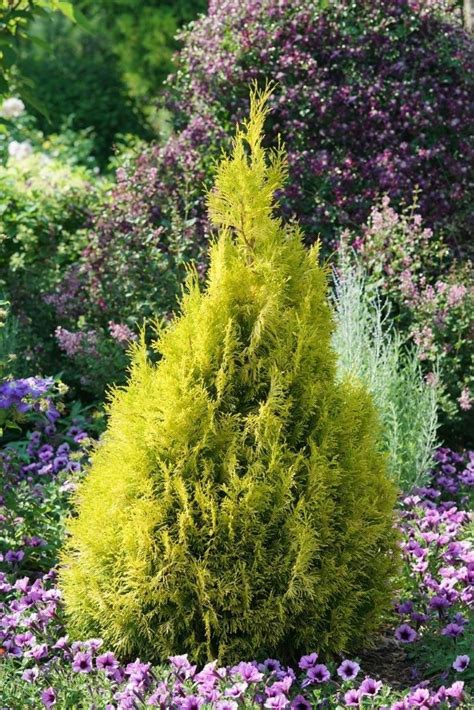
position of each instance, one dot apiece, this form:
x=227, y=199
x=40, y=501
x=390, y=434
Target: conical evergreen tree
x=237, y=506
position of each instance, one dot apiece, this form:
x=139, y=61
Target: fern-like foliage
x=238, y=506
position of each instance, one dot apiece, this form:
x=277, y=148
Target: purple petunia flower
x=38, y=652
x=106, y=662
x=352, y=698
x=308, y=661
x=369, y=686
x=271, y=665
x=236, y=690
x=30, y=675
x=14, y=556
x=348, y=670
x=300, y=703
x=48, y=697
x=82, y=662
x=419, y=697
x=317, y=674
x=439, y=603
x=405, y=634
x=405, y=607
x=461, y=663
x=192, y=702
x=277, y=702
x=456, y=691
x=452, y=630
x=248, y=672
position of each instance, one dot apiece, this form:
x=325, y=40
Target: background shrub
x=369, y=348
x=237, y=465
x=45, y=203
x=139, y=245
x=80, y=85
x=142, y=36
x=372, y=98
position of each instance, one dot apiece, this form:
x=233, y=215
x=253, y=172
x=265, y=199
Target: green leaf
x=31, y=99
x=39, y=42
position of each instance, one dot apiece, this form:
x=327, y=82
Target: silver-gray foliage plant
x=369, y=348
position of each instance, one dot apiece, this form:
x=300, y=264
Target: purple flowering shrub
x=371, y=98
x=433, y=299
x=39, y=465
x=42, y=667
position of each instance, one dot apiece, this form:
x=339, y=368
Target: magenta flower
x=405, y=634
x=348, y=670
x=461, y=663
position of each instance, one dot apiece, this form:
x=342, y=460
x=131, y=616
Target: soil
x=388, y=662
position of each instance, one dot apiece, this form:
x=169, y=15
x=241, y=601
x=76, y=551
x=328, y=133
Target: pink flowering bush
x=433, y=299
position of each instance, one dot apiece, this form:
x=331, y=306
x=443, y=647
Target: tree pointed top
x=243, y=196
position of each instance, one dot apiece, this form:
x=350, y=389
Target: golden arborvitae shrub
x=237, y=506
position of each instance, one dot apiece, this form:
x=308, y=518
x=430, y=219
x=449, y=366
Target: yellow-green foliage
x=237, y=506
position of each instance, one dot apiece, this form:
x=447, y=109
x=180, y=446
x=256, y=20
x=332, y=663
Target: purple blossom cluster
x=38, y=472
x=434, y=609
x=29, y=394
x=436, y=616
x=31, y=632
